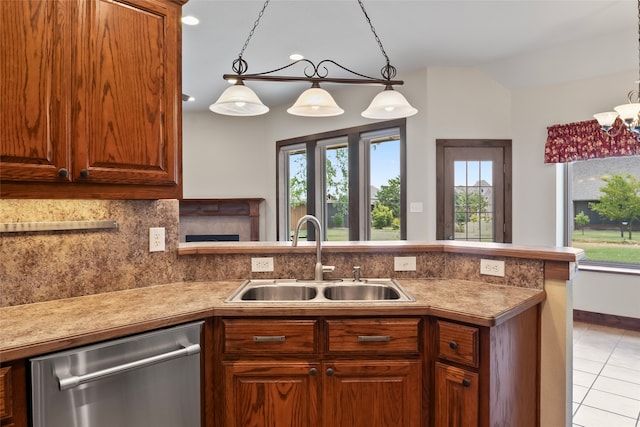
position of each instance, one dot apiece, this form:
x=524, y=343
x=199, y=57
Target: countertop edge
x=565, y=254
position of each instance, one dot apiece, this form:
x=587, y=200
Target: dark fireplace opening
x=213, y=237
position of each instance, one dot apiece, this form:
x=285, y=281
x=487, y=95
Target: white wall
x=236, y=157
x=607, y=293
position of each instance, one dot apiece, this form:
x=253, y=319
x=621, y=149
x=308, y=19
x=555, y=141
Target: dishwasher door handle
x=68, y=382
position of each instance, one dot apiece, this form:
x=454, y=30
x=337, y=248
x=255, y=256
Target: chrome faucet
x=319, y=268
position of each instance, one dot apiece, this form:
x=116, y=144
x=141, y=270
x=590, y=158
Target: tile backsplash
x=39, y=266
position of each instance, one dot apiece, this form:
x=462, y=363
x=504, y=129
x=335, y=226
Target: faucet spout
x=319, y=268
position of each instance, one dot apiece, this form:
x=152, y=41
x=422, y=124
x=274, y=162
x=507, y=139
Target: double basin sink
x=291, y=290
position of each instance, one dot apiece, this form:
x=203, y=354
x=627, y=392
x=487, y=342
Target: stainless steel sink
x=328, y=291
x=359, y=292
x=279, y=293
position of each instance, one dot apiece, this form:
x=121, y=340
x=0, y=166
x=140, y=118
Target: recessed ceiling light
x=190, y=20
x=296, y=57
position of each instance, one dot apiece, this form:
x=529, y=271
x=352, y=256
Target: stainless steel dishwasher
x=145, y=380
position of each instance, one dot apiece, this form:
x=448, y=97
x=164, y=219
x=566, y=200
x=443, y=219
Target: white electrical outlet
x=261, y=265
x=404, y=263
x=156, y=239
x=492, y=267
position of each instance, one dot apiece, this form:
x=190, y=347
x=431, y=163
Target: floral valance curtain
x=585, y=140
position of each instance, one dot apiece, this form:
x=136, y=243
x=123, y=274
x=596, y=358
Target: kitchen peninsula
x=523, y=313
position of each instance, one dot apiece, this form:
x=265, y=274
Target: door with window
x=474, y=190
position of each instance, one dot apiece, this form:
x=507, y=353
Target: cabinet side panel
x=514, y=371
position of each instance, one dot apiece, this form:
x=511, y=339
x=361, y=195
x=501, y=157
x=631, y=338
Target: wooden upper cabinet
x=96, y=99
x=35, y=70
x=127, y=100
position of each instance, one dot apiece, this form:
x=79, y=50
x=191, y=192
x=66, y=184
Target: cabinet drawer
x=374, y=335
x=6, y=393
x=269, y=336
x=458, y=343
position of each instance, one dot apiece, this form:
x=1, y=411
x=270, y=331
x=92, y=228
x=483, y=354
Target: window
x=474, y=190
x=604, y=211
x=351, y=179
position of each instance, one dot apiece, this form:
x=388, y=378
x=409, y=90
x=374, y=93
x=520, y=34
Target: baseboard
x=611, y=320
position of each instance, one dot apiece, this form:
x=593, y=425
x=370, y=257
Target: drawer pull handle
x=374, y=338
x=313, y=372
x=268, y=338
x=330, y=372
x=453, y=345
x=466, y=382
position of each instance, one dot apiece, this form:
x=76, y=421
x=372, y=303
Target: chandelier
x=629, y=113
x=240, y=100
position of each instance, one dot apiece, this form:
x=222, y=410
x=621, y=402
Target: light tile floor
x=606, y=376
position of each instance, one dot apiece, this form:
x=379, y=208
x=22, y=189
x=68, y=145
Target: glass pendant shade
x=239, y=100
x=606, y=119
x=628, y=112
x=389, y=104
x=315, y=102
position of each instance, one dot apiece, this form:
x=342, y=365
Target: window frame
x=586, y=264
x=355, y=164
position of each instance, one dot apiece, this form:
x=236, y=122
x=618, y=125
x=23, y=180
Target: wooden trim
x=557, y=270
x=610, y=320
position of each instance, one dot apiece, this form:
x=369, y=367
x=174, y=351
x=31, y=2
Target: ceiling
x=518, y=43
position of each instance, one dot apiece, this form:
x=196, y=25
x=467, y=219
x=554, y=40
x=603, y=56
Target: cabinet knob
x=313, y=372
x=330, y=372
x=453, y=345
x=84, y=173
x=63, y=173
x=466, y=382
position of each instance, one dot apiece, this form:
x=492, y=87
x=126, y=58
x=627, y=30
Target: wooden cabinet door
x=271, y=393
x=456, y=400
x=364, y=393
x=35, y=65
x=13, y=394
x=126, y=99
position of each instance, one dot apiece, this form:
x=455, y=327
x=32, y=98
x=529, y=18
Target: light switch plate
x=404, y=263
x=415, y=207
x=492, y=267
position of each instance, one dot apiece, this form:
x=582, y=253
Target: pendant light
x=629, y=113
x=389, y=104
x=239, y=100
x=314, y=102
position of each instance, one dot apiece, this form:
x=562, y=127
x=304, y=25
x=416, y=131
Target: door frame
x=441, y=145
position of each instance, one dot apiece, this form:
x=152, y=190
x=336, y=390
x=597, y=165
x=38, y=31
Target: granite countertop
x=33, y=329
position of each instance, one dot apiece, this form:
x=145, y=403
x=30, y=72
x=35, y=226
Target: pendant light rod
x=319, y=75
